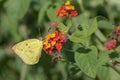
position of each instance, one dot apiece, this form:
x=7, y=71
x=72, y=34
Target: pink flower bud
x=110, y=44
x=54, y=25
x=64, y=37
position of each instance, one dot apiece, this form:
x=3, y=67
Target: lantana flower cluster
x=53, y=42
x=66, y=9
x=114, y=36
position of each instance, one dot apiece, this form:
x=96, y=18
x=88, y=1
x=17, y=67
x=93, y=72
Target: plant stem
x=109, y=11
x=23, y=72
x=99, y=44
x=100, y=35
x=81, y=5
x=68, y=50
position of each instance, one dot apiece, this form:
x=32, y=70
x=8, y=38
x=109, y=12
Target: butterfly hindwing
x=29, y=50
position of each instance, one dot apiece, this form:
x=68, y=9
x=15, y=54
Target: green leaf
x=78, y=37
x=117, y=49
x=93, y=3
x=85, y=77
x=2, y=55
x=16, y=9
x=103, y=58
x=9, y=26
x=103, y=73
x=92, y=26
x=79, y=19
x=42, y=12
x=86, y=59
x=61, y=67
x=88, y=27
x=51, y=13
x=107, y=73
x=63, y=28
x=103, y=24
x=115, y=3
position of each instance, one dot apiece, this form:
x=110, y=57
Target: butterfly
x=29, y=50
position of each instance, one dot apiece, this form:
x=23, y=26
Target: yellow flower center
x=53, y=43
x=67, y=3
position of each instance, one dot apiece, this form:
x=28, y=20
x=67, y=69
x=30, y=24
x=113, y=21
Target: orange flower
x=70, y=7
x=48, y=37
x=48, y=45
x=118, y=30
x=52, y=35
x=45, y=42
x=58, y=46
x=62, y=13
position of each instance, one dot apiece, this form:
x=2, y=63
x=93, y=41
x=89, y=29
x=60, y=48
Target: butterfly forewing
x=29, y=50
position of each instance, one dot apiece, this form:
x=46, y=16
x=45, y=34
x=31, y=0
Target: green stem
x=100, y=35
x=73, y=24
x=23, y=72
x=99, y=44
x=81, y=5
x=68, y=50
x=109, y=11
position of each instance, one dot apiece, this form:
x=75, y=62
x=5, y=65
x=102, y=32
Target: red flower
x=110, y=44
x=57, y=35
x=62, y=8
x=73, y=13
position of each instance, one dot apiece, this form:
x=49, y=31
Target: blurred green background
x=24, y=19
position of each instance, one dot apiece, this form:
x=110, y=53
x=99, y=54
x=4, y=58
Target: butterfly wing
x=29, y=50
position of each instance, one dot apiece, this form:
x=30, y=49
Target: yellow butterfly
x=29, y=50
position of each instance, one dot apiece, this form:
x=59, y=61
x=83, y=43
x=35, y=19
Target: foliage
x=84, y=56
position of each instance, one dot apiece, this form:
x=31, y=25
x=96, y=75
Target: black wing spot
x=32, y=57
x=26, y=44
x=21, y=49
x=30, y=51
